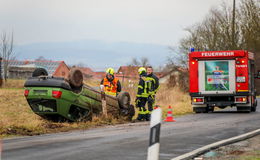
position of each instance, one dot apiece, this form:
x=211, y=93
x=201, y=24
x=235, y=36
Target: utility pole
x=233, y=24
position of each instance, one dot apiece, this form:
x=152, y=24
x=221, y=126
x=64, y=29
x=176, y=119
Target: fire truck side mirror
x=257, y=75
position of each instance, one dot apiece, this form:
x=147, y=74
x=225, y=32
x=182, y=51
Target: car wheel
x=128, y=113
x=253, y=108
x=75, y=78
x=124, y=100
x=211, y=109
x=244, y=109
x=39, y=72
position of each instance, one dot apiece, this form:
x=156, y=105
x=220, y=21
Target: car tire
x=211, y=109
x=196, y=110
x=128, y=113
x=131, y=113
x=254, y=105
x=124, y=100
x=244, y=109
x=75, y=78
x=253, y=108
x=39, y=72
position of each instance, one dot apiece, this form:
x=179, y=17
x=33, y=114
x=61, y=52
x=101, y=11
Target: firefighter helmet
x=141, y=70
x=110, y=71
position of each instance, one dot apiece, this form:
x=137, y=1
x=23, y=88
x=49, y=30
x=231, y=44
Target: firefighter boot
x=148, y=117
x=141, y=114
x=140, y=117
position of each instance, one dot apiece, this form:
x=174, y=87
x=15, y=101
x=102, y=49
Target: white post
x=104, y=103
x=155, y=125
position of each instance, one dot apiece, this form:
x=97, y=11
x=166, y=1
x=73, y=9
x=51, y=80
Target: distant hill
x=93, y=53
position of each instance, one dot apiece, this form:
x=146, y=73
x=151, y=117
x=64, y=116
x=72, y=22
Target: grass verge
x=17, y=119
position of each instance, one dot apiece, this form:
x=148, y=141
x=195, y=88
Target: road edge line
x=218, y=144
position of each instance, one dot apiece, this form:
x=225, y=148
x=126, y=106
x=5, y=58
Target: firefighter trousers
x=143, y=113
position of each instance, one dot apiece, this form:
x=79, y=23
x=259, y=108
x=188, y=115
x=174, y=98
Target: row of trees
x=216, y=31
x=224, y=28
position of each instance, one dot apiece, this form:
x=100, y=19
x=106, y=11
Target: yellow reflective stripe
x=110, y=93
x=145, y=87
x=139, y=86
x=142, y=95
x=147, y=112
x=157, y=88
x=141, y=111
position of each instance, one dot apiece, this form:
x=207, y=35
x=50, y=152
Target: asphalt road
x=130, y=141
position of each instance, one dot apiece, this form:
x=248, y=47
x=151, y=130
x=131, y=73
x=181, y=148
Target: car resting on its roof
x=69, y=99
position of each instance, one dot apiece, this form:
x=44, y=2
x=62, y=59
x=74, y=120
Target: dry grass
x=174, y=97
x=16, y=117
x=13, y=83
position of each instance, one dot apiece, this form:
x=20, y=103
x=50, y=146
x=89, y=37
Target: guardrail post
x=1, y=148
x=154, y=142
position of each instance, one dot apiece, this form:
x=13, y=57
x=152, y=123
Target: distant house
x=128, y=72
x=99, y=75
x=87, y=72
x=24, y=69
x=173, y=75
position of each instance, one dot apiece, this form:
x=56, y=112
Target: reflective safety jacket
x=155, y=83
x=144, y=87
x=111, y=87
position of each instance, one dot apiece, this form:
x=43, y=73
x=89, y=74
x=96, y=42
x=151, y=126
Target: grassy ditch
x=248, y=149
x=17, y=119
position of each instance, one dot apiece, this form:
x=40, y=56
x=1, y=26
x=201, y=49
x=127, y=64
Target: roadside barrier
x=204, y=149
x=169, y=117
x=154, y=140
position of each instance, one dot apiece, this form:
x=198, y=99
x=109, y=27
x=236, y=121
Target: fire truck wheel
x=253, y=108
x=211, y=109
x=206, y=110
x=39, y=72
x=200, y=109
x=244, y=109
x=75, y=78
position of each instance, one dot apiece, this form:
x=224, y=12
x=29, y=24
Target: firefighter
x=154, y=88
x=110, y=84
x=142, y=95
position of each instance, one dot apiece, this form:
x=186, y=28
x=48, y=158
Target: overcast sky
x=146, y=21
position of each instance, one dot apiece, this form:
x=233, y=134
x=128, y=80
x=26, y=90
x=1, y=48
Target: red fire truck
x=221, y=79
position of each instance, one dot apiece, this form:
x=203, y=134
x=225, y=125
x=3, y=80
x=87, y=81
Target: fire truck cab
x=221, y=79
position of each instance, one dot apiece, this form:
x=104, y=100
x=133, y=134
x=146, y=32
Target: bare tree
x=215, y=31
x=6, y=52
x=135, y=62
x=249, y=15
x=218, y=32
x=144, y=61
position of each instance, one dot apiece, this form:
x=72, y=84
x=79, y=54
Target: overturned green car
x=69, y=99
